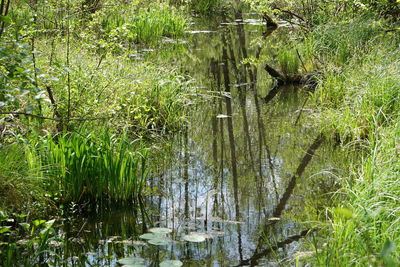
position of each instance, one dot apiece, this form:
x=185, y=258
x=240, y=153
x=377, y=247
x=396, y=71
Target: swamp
x=199, y=133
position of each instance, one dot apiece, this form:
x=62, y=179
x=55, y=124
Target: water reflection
x=235, y=168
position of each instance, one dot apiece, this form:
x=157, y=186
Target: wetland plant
x=93, y=168
x=289, y=62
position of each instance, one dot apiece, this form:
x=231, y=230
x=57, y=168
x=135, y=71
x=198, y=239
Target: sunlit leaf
x=25, y=225
x=344, y=212
x=4, y=229
x=49, y=223
x=222, y=116
x=38, y=222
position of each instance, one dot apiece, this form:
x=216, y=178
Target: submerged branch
x=269, y=21
x=275, y=74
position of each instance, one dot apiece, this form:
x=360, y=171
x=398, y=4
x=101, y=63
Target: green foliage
x=20, y=186
x=18, y=88
x=371, y=234
x=289, y=61
x=358, y=103
x=205, y=6
x=20, y=235
x=342, y=41
x=142, y=25
x=363, y=98
x=91, y=167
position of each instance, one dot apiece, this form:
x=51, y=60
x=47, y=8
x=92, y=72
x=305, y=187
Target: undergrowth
x=357, y=104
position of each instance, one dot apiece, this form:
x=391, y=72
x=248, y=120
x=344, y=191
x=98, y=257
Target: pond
x=243, y=174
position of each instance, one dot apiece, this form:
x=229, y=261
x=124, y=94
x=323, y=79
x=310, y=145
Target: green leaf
x=49, y=223
x=344, y=212
x=38, y=222
x=5, y=19
x=4, y=229
x=171, y=263
x=25, y=225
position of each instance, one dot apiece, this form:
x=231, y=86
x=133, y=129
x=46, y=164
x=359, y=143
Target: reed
x=19, y=185
x=95, y=168
x=143, y=25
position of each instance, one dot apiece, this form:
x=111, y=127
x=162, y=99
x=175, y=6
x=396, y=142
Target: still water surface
x=243, y=173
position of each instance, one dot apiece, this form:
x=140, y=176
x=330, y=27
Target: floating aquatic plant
x=194, y=237
x=160, y=230
x=171, y=263
x=132, y=261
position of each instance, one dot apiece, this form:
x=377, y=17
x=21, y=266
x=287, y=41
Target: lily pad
x=159, y=241
x=132, y=261
x=151, y=236
x=205, y=235
x=160, y=230
x=171, y=263
x=196, y=238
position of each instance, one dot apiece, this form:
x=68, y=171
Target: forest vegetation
x=88, y=106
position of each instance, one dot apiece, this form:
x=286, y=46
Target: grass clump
x=366, y=229
x=362, y=97
x=88, y=167
x=289, y=62
x=142, y=25
x=357, y=102
x=339, y=42
x=19, y=185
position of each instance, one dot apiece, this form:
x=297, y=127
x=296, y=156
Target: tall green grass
x=357, y=102
x=365, y=228
x=90, y=167
x=143, y=25
x=338, y=42
x=362, y=97
x=19, y=185
x=289, y=62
